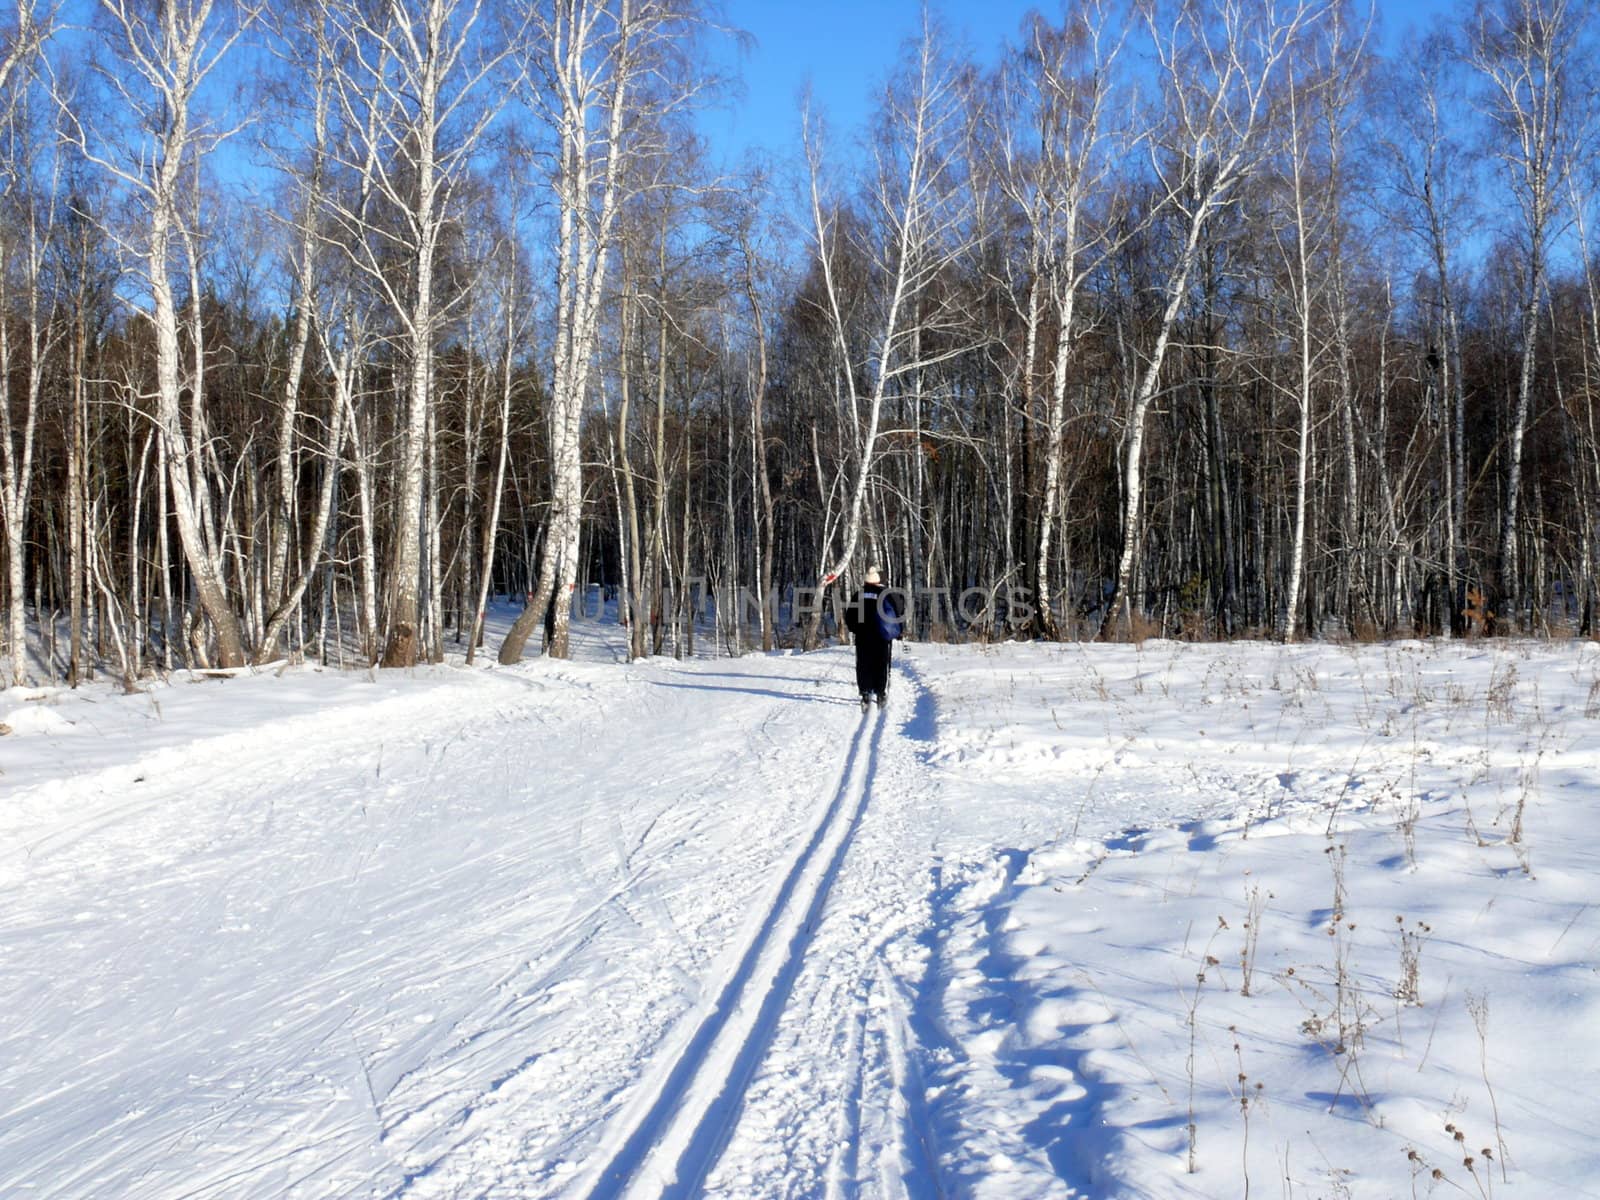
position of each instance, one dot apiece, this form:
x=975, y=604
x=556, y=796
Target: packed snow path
x=528, y=934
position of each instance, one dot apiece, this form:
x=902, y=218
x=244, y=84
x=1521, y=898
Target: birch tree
x=582, y=63
x=1431, y=184
x=1308, y=237
x=1063, y=88
x=412, y=97
x=27, y=219
x=589, y=70
x=1218, y=64
x=915, y=235
x=165, y=53
x=1298, y=246
x=309, y=63
x=512, y=326
x=1525, y=51
x=30, y=26
x=756, y=262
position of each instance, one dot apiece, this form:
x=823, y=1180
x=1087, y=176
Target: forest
x=326, y=325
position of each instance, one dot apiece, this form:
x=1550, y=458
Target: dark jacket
x=873, y=650
x=861, y=613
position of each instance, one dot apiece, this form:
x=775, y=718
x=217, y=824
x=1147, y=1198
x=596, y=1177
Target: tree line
x=323, y=324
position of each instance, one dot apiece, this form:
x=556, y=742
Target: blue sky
x=845, y=47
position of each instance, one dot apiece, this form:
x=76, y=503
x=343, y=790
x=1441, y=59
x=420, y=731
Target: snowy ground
x=1065, y=921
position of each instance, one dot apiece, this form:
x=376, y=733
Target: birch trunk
x=589, y=110
x=1217, y=82
x=1300, y=272
x=317, y=539
x=1523, y=53
x=766, y=538
x=16, y=459
x=491, y=528
x=918, y=240
x=305, y=304
x=183, y=73
x=403, y=635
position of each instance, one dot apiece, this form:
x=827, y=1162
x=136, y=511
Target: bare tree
x=21, y=38
x=308, y=59
x=1431, y=182
x=915, y=235
x=410, y=91
x=513, y=326
x=1315, y=96
x=1218, y=65
x=26, y=228
x=590, y=66
x=1061, y=89
x=165, y=54
x=1526, y=51
x=756, y=261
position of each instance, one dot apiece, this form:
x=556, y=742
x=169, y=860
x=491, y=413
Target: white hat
x=872, y=575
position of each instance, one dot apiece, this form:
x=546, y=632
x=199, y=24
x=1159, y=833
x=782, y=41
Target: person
x=874, y=622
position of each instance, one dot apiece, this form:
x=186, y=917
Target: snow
x=671, y=928
x=1117, y=957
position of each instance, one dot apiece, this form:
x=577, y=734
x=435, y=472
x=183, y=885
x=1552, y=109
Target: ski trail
x=909, y=1106
x=465, y=1131
x=837, y=1106
x=687, y=1116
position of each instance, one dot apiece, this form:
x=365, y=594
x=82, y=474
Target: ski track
x=686, y=1110
x=836, y=1105
x=833, y=963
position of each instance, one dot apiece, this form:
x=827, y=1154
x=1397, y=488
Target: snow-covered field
x=1064, y=921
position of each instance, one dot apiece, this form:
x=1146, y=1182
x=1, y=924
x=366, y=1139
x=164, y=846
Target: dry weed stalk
x=1478, y=1007
x=1255, y=906
x=1411, y=942
x=1500, y=705
x=1247, y=1097
x=1339, y=1023
x=1411, y=810
x=1528, y=779
x=1191, y=1019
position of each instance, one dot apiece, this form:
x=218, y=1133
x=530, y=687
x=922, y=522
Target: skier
x=873, y=619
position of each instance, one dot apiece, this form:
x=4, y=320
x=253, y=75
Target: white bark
x=1300, y=272
x=1523, y=52
x=166, y=57
x=1424, y=155
x=492, y=523
x=1217, y=65
x=305, y=260
x=16, y=457
x=918, y=237
x=1317, y=84
x=589, y=52
x=765, y=542
x=33, y=27
x=289, y=602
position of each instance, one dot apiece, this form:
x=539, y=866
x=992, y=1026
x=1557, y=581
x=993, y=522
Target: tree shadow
x=766, y=693
x=808, y=679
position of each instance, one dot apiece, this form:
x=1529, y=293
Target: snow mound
x=34, y=719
